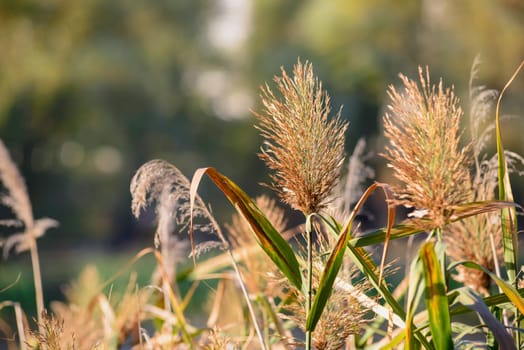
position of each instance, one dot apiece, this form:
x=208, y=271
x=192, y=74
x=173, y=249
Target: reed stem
x=37, y=278
x=309, y=281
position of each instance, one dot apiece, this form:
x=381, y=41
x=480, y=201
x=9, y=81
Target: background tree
x=91, y=89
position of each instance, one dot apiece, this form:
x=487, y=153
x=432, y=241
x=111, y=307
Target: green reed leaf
x=368, y=267
x=492, y=300
x=435, y=297
x=414, y=296
x=269, y=239
x=391, y=221
x=335, y=260
x=408, y=227
x=404, y=229
x=365, y=264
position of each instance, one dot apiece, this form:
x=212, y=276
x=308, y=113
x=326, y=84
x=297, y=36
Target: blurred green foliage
x=91, y=89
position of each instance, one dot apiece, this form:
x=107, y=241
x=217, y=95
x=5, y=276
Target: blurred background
x=92, y=89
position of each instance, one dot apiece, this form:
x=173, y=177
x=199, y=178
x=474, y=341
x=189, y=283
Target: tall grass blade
x=404, y=229
x=509, y=219
x=266, y=235
x=126, y=267
x=436, y=298
x=475, y=303
x=394, y=343
x=492, y=300
x=391, y=222
x=368, y=268
x=19, y=316
x=414, y=297
x=408, y=228
x=335, y=261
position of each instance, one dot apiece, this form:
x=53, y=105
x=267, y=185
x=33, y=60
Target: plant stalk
x=309, y=282
x=37, y=278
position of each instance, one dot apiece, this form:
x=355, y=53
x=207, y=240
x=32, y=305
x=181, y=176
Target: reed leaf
x=435, y=297
x=364, y=263
x=408, y=227
x=266, y=235
x=492, y=300
x=414, y=296
x=334, y=262
x=404, y=229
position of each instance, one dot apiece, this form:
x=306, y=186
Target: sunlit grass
x=256, y=283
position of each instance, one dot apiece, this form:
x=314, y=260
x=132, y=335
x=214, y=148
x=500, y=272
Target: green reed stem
x=309, y=281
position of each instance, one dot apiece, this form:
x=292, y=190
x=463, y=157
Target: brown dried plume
x=303, y=147
x=422, y=126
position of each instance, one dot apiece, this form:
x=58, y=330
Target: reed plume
x=161, y=182
x=422, y=126
x=303, y=147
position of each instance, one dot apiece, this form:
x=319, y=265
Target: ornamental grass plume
x=162, y=183
x=302, y=146
x=422, y=126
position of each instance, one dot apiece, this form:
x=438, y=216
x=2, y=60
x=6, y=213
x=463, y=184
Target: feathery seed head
x=16, y=197
x=302, y=146
x=161, y=183
x=422, y=126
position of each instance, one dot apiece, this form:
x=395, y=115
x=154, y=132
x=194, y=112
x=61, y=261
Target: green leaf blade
x=269, y=239
x=334, y=262
x=408, y=227
x=328, y=279
x=436, y=298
